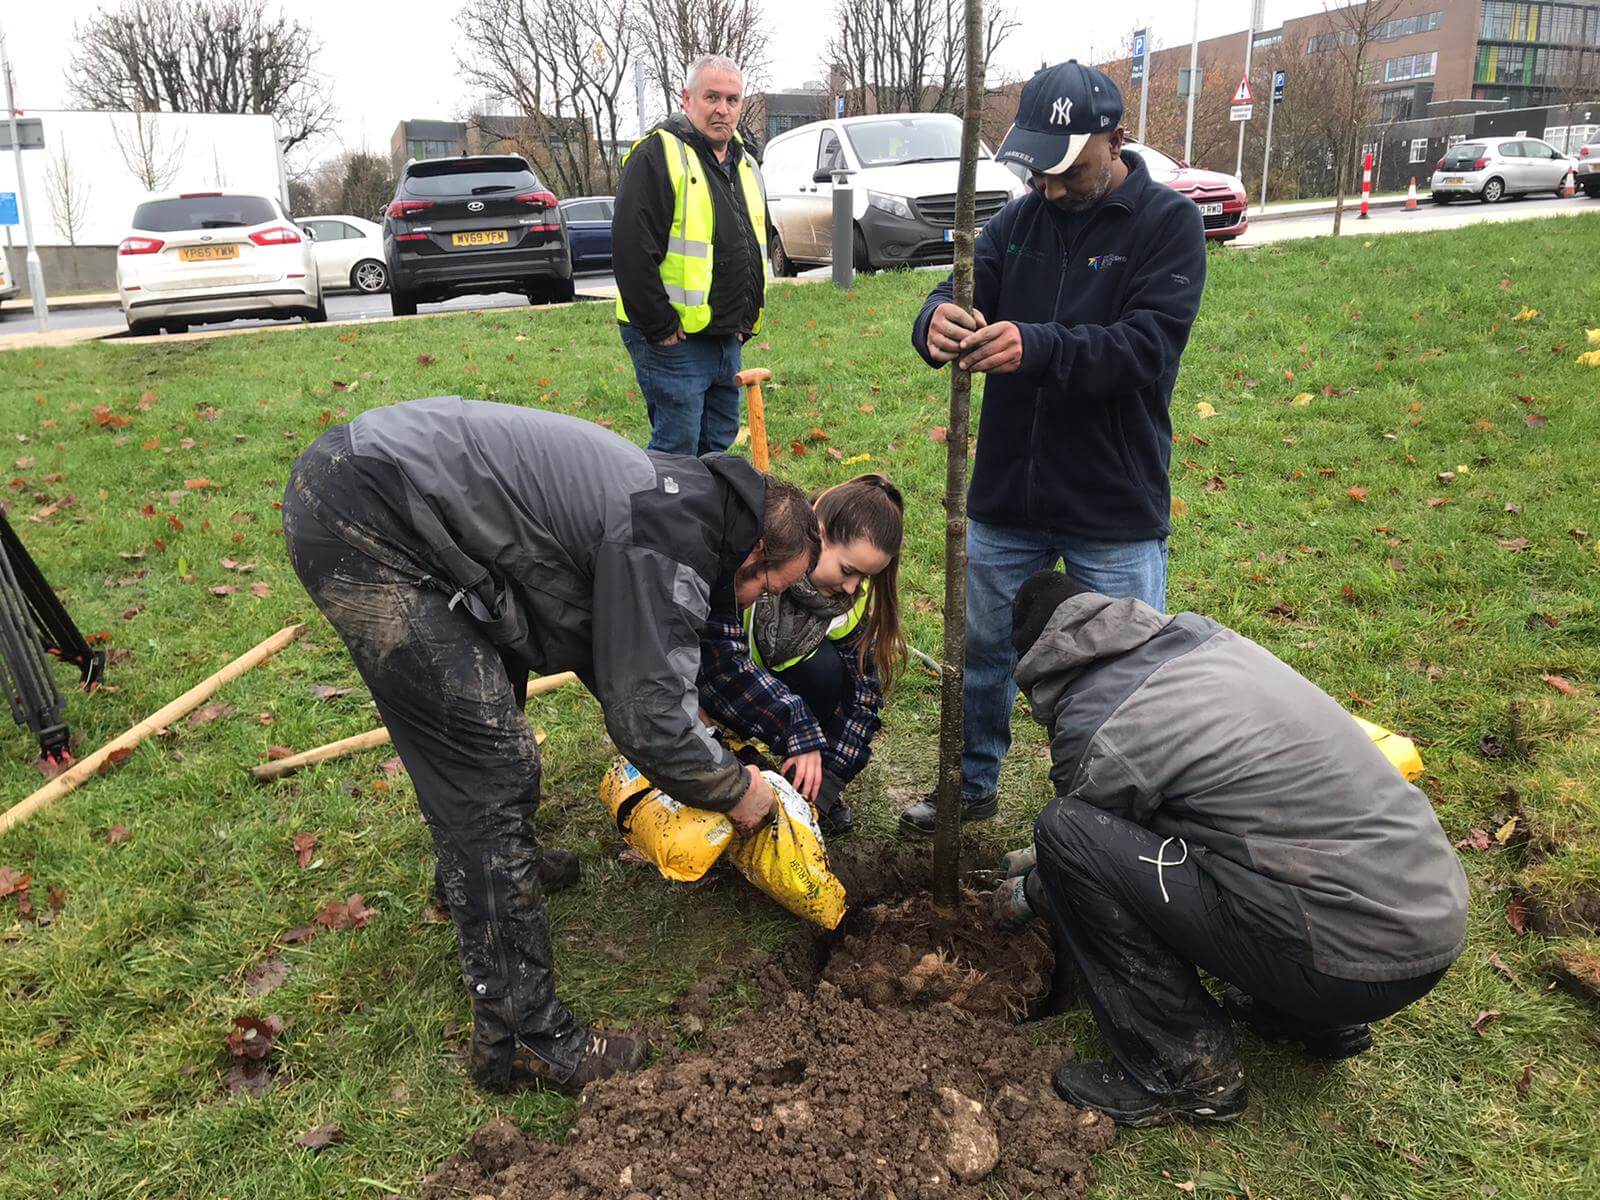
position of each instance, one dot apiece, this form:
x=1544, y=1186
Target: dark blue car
x=589, y=230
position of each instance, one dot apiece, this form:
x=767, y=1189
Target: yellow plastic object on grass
x=1398, y=750
x=683, y=842
x=786, y=859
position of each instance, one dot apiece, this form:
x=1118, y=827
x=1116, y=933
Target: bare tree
x=68, y=194
x=673, y=33
x=152, y=155
x=909, y=55
x=561, y=66
x=1354, y=32
x=352, y=181
x=203, y=56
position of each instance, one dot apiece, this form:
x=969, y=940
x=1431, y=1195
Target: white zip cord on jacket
x=1161, y=863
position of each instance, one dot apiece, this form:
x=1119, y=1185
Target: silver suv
x=1490, y=169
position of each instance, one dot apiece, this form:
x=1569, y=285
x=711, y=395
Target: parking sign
x=1278, y=78
x=1140, y=39
x=8, y=208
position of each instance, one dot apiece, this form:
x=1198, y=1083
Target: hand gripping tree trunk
x=947, y=829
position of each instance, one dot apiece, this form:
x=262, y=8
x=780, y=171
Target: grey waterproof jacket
x=1196, y=732
x=574, y=549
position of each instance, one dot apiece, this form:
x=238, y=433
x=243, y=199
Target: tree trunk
x=947, y=830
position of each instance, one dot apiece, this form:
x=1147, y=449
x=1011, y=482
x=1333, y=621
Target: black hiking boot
x=1102, y=1086
x=564, y=1063
x=1332, y=1043
x=836, y=822
x=920, y=818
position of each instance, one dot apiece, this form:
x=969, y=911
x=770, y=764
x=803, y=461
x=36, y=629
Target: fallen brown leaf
x=196, y=485
x=1517, y=916
x=1525, y=1082
x=1476, y=839
x=345, y=914
x=391, y=766
x=1515, y=545
x=1358, y=494
x=1499, y=964
x=298, y=937
x=253, y=1037
x=1215, y=484
x=323, y=691
x=1561, y=684
x=305, y=846
x=266, y=975
x=224, y=589
x=260, y=590
x=1484, y=1019
x=938, y=434
x=1536, y=420
x=117, y=835
x=320, y=1137
x=209, y=713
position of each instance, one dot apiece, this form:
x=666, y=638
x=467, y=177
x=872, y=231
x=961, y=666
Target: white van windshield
x=912, y=139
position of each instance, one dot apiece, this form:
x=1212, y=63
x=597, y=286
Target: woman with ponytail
x=806, y=671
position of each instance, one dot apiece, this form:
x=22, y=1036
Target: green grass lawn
x=1305, y=523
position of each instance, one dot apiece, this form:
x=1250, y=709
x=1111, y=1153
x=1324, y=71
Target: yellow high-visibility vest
x=686, y=269
x=842, y=627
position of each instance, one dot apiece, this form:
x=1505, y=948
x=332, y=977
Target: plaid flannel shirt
x=755, y=704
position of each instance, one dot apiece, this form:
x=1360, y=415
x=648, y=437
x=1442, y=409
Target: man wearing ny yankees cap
x=1085, y=291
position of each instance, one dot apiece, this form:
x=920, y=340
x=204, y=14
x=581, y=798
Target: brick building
x=1526, y=54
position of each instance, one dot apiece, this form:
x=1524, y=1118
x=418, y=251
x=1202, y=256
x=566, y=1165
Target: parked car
x=1223, y=204
x=1587, y=168
x=1491, y=169
x=903, y=171
x=589, y=231
x=214, y=256
x=473, y=225
x=9, y=287
x=349, y=252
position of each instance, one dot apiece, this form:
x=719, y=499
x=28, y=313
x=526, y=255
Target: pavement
x=94, y=317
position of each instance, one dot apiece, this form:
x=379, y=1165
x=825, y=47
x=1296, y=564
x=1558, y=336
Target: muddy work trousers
x=1137, y=931
x=454, y=711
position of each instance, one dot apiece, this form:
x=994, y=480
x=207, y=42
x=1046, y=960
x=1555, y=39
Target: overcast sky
x=386, y=62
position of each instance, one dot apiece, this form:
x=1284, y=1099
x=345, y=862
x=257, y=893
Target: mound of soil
x=896, y=1075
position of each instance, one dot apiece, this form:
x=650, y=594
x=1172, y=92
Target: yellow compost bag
x=1401, y=751
x=683, y=842
x=786, y=859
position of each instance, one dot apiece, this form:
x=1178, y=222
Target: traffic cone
x=1568, y=186
x=1411, y=195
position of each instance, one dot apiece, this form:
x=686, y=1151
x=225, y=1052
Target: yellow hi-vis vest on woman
x=686, y=270
x=842, y=627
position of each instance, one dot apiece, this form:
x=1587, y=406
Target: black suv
x=474, y=225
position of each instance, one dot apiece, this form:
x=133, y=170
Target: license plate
x=481, y=237
x=207, y=253
x=1454, y=179
x=949, y=235
x=1211, y=210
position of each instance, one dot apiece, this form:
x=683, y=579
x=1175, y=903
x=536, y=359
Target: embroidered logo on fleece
x=1101, y=262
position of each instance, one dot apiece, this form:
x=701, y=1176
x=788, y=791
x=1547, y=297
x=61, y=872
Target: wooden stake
x=84, y=769
x=751, y=380
x=267, y=772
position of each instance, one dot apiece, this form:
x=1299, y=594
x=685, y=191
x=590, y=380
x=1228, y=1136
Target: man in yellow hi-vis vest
x=689, y=251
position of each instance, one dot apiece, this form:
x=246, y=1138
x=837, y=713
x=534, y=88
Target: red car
x=1221, y=197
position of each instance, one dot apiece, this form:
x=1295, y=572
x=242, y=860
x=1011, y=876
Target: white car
x=903, y=169
x=349, y=253
x=214, y=256
x=1490, y=169
x=8, y=286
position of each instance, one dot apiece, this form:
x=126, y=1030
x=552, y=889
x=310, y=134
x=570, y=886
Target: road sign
x=838, y=107
x=8, y=208
x=30, y=132
x=1278, y=79
x=1241, y=112
x=1242, y=94
x=1141, y=58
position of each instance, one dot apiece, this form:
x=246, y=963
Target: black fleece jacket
x=1079, y=439
x=642, y=220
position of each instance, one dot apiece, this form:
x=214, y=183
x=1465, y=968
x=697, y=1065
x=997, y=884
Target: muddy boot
x=1019, y=862
x=1008, y=906
x=834, y=817
x=1103, y=1086
x=564, y=1062
x=1331, y=1043
x=920, y=818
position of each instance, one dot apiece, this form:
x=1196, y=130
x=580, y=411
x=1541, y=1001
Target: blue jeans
x=999, y=560
x=689, y=390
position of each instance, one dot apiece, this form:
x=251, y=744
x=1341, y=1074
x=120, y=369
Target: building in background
x=426, y=139
x=767, y=114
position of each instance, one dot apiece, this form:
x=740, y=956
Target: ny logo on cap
x=1061, y=111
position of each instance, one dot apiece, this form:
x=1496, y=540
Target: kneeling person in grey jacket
x=1216, y=810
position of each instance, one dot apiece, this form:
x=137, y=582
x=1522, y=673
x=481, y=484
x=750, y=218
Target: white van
x=904, y=168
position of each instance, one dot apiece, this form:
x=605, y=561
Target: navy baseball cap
x=1061, y=108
